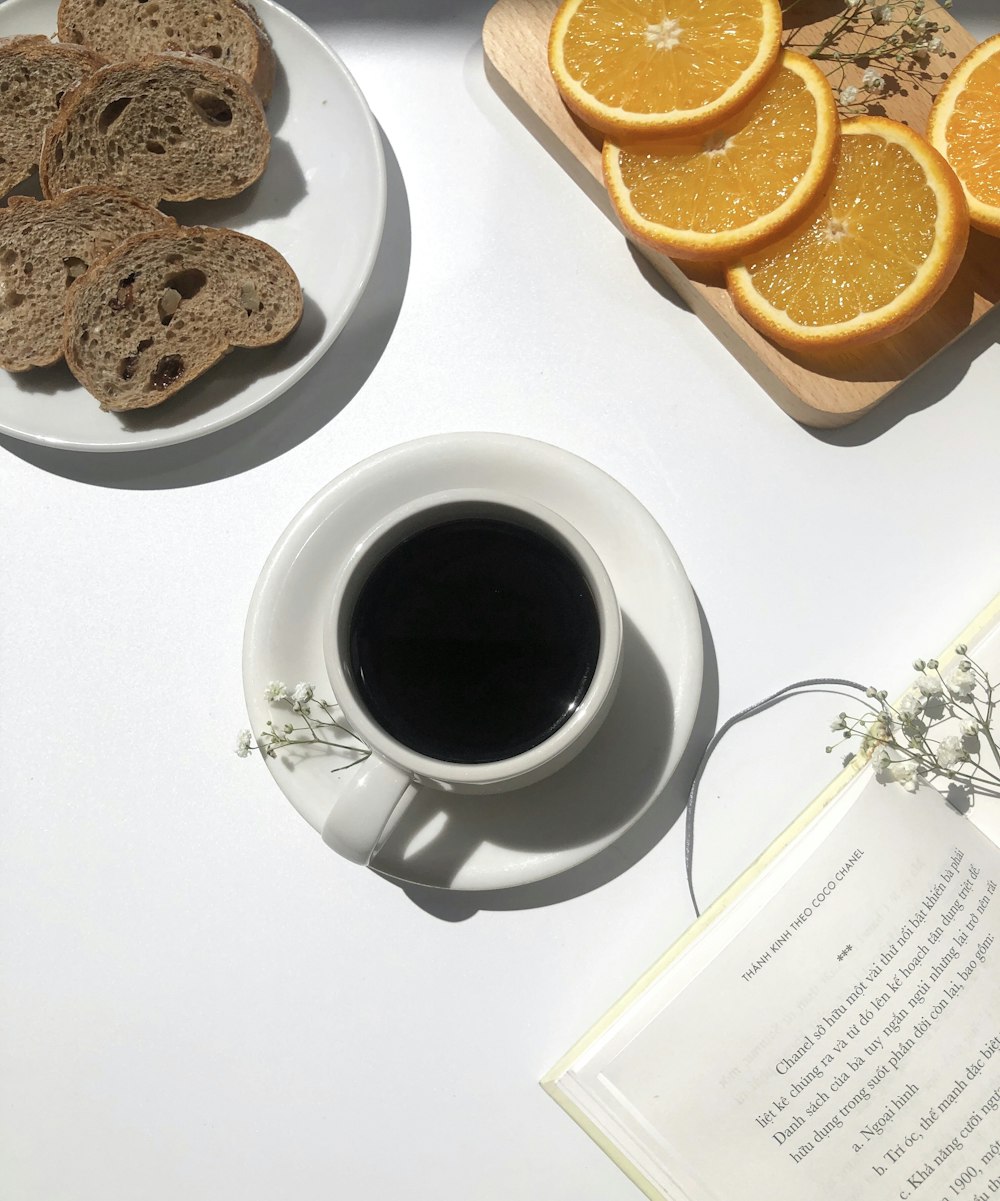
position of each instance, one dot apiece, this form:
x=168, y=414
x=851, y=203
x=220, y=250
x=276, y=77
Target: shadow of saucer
x=276, y=428
x=615, y=781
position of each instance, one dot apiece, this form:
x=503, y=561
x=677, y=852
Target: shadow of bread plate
x=325, y=233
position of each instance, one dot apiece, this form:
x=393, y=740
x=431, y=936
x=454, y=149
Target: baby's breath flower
x=961, y=681
x=930, y=685
x=941, y=727
x=848, y=95
x=872, y=80
x=936, y=46
x=882, y=14
x=326, y=730
x=906, y=773
x=950, y=752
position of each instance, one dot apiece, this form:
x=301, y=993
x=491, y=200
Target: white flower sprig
x=941, y=727
x=888, y=41
x=316, y=717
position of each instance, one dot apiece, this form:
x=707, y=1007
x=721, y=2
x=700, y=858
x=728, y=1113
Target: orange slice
x=965, y=126
x=634, y=67
x=874, y=254
x=718, y=194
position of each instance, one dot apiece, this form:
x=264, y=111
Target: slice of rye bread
x=45, y=246
x=227, y=31
x=164, y=127
x=35, y=74
x=164, y=307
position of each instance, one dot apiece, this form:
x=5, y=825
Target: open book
x=831, y=1027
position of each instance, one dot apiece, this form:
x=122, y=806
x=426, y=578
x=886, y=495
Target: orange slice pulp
x=875, y=253
x=742, y=184
x=652, y=67
x=965, y=126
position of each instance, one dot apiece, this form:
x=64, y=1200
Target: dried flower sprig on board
x=942, y=728
x=318, y=719
x=891, y=43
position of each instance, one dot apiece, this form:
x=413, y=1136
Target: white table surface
x=197, y=998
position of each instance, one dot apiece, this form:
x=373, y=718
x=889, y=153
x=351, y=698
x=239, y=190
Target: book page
x=845, y=1044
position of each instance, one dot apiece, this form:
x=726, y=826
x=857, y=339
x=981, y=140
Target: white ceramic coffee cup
x=373, y=793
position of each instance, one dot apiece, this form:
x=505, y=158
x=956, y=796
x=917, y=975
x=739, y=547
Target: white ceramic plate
x=321, y=202
x=488, y=842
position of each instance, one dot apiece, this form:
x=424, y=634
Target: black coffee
x=474, y=640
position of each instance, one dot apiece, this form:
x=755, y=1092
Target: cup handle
x=360, y=816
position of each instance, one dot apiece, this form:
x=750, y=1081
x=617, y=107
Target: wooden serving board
x=828, y=389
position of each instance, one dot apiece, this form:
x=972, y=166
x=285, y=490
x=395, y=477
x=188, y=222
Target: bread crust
x=76, y=22
x=146, y=264
x=140, y=76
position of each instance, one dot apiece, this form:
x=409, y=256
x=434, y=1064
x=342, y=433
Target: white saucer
x=488, y=842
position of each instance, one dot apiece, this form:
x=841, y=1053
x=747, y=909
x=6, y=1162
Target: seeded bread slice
x=164, y=307
x=45, y=245
x=34, y=76
x=164, y=127
x=227, y=31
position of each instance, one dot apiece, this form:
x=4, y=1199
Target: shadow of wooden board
x=822, y=390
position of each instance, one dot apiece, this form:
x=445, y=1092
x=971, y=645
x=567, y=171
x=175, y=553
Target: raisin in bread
x=166, y=306
x=44, y=247
x=165, y=127
x=227, y=31
x=35, y=74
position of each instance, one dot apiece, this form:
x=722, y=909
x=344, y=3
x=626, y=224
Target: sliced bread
x=34, y=76
x=165, y=127
x=45, y=245
x=227, y=31
x=164, y=307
